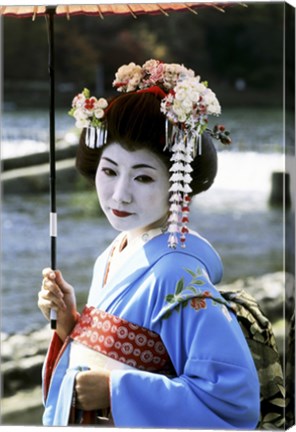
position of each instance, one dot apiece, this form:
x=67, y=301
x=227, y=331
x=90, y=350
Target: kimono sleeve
x=216, y=383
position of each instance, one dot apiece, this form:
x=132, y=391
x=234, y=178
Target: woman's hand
x=57, y=294
x=92, y=389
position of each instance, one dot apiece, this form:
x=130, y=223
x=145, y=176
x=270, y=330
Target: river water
x=233, y=215
x=252, y=129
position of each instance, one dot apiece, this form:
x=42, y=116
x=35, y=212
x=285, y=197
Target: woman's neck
x=136, y=233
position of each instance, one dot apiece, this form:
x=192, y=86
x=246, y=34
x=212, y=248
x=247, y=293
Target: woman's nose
x=122, y=192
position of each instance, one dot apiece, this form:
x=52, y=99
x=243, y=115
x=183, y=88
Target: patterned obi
x=123, y=345
x=122, y=341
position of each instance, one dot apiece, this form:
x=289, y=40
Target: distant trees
x=243, y=44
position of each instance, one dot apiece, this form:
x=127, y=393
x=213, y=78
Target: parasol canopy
x=109, y=9
x=100, y=10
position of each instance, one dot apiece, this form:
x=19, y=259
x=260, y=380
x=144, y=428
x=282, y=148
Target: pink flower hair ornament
x=186, y=103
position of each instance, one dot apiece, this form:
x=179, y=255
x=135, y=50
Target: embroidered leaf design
x=170, y=298
x=192, y=289
x=196, y=277
x=198, y=282
x=167, y=314
x=191, y=272
x=179, y=286
x=181, y=298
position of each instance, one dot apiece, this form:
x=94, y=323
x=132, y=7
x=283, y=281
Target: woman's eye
x=109, y=172
x=144, y=179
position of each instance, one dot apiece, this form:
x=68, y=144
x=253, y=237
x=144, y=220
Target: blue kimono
x=171, y=292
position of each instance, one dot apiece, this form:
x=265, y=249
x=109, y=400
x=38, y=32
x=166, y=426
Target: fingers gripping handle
x=53, y=237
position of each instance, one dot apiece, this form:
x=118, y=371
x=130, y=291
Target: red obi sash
x=116, y=338
x=122, y=340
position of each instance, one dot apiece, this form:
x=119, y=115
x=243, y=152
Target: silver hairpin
x=96, y=137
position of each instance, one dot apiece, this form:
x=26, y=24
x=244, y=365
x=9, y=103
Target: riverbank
x=23, y=354
x=30, y=173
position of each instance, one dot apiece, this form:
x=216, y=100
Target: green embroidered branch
x=180, y=297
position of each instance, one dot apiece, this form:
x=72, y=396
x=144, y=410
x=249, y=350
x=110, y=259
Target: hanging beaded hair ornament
x=186, y=103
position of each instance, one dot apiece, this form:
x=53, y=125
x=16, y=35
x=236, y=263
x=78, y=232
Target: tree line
x=240, y=52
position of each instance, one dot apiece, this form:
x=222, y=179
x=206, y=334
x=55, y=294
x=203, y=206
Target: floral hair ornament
x=186, y=103
x=89, y=113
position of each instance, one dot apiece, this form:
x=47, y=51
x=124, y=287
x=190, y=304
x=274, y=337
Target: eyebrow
x=137, y=166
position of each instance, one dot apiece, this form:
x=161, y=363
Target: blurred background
x=246, y=216
x=240, y=52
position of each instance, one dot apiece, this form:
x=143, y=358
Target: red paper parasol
x=99, y=10
x=102, y=10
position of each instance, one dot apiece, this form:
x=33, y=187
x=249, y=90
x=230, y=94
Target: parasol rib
x=100, y=12
x=162, y=10
x=190, y=9
x=68, y=13
x=131, y=11
x=34, y=13
x=216, y=7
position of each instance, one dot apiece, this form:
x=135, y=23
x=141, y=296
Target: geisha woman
x=156, y=345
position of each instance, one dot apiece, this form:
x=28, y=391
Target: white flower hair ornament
x=186, y=103
x=89, y=113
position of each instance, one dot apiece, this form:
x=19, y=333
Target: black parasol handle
x=50, y=11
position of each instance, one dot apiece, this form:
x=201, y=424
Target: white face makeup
x=132, y=188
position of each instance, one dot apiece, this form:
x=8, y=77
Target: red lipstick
x=121, y=214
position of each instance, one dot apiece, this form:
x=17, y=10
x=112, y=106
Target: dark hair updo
x=134, y=121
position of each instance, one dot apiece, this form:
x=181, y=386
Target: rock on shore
x=23, y=354
x=22, y=357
